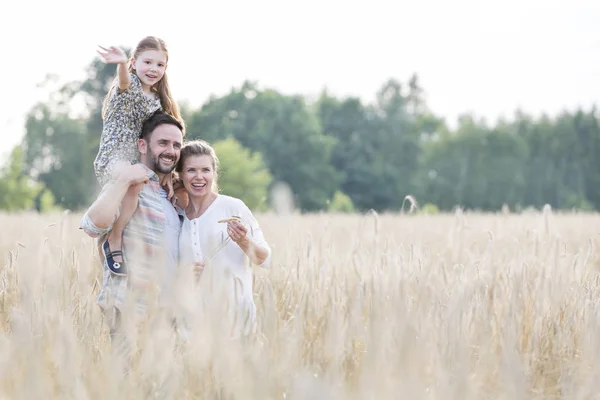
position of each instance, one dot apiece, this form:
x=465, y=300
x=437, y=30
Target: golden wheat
x=454, y=306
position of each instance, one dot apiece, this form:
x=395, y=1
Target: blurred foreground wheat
x=461, y=306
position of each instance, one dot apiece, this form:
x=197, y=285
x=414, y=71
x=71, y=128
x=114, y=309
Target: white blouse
x=205, y=240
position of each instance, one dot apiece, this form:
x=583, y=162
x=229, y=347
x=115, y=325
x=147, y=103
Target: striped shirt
x=144, y=251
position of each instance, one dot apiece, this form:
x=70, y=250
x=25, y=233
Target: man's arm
x=102, y=213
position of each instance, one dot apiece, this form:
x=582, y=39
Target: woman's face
x=197, y=175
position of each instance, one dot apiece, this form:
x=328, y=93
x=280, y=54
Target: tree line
x=339, y=154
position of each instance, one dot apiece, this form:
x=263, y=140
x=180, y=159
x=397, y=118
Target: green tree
x=283, y=130
x=562, y=165
x=18, y=191
x=475, y=167
x=377, y=147
x=355, y=152
x=341, y=203
x=398, y=140
x=243, y=174
x=57, y=154
x=587, y=126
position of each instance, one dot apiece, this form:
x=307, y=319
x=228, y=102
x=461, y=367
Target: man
x=150, y=239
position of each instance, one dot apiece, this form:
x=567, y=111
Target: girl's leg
x=128, y=207
x=113, y=252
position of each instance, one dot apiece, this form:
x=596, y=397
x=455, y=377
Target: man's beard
x=158, y=167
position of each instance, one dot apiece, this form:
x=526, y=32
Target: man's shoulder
x=153, y=196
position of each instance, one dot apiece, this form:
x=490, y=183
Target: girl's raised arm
x=114, y=55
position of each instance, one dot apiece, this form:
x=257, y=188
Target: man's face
x=162, y=153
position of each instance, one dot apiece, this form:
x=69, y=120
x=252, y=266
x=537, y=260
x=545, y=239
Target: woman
x=219, y=240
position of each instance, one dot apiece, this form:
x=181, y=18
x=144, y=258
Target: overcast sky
x=487, y=57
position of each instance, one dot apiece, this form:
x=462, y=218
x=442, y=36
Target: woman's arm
x=257, y=253
x=250, y=238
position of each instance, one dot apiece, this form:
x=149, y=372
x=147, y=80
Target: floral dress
x=125, y=114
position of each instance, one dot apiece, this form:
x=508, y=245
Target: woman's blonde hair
x=169, y=105
x=199, y=148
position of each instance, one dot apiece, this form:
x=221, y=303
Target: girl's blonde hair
x=169, y=105
x=199, y=148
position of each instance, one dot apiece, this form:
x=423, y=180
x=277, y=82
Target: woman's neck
x=198, y=205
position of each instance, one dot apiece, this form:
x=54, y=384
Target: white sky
x=486, y=56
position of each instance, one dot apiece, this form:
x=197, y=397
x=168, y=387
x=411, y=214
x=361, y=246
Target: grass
x=451, y=306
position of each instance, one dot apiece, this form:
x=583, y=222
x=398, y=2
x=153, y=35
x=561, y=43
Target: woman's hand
x=198, y=267
x=113, y=55
x=237, y=232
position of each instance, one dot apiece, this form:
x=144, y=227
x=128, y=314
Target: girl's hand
x=180, y=198
x=113, y=55
x=177, y=193
x=170, y=189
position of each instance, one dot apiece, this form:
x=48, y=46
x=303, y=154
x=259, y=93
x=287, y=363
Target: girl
x=139, y=89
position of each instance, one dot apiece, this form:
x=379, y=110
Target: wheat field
x=390, y=306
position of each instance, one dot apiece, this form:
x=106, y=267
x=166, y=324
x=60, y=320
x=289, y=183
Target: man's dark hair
x=155, y=120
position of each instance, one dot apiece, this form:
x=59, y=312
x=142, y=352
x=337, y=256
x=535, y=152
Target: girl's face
x=197, y=175
x=150, y=67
